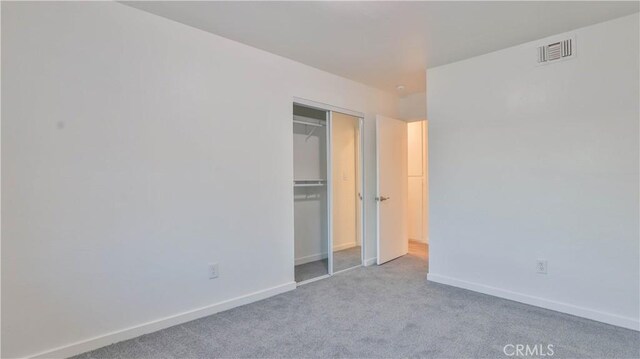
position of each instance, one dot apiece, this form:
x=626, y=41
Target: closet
x=327, y=187
x=310, y=189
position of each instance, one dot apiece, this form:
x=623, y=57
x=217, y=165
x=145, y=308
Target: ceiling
x=385, y=43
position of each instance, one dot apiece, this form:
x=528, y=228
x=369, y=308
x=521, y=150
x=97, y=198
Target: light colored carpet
x=347, y=258
x=388, y=311
x=311, y=270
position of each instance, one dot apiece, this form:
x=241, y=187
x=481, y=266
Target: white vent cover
x=558, y=50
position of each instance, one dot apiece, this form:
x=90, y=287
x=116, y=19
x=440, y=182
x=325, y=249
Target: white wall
x=343, y=145
x=535, y=162
x=413, y=107
x=135, y=150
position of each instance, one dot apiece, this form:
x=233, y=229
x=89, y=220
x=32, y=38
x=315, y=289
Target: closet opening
x=327, y=187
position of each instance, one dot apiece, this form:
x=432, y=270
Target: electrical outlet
x=213, y=270
x=541, y=266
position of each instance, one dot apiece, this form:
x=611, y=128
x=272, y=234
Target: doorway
x=418, y=189
x=402, y=193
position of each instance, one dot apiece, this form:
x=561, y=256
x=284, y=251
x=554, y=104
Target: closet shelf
x=308, y=121
x=309, y=183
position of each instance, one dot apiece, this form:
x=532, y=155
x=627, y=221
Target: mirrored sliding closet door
x=327, y=187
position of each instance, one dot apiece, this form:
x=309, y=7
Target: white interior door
x=392, y=195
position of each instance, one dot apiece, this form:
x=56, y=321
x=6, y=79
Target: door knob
x=382, y=198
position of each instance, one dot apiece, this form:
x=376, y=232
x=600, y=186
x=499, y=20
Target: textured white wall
x=135, y=150
x=535, y=162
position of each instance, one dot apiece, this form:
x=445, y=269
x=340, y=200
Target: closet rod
x=308, y=123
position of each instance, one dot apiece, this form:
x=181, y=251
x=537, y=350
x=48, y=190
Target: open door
x=392, y=193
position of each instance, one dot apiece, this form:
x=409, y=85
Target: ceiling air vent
x=558, y=50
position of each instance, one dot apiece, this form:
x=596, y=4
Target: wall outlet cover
x=213, y=270
x=541, y=266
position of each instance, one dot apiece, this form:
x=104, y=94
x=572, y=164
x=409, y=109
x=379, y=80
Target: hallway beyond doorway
x=419, y=249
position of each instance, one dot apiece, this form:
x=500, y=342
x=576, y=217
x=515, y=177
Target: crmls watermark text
x=526, y=350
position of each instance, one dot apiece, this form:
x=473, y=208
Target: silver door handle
x=382, y=198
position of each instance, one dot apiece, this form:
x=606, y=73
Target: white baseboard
x=310, y=258
x=609, y=318
x=162, y=323
x=342, y=246
x=424, y=241
x=319, y=256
